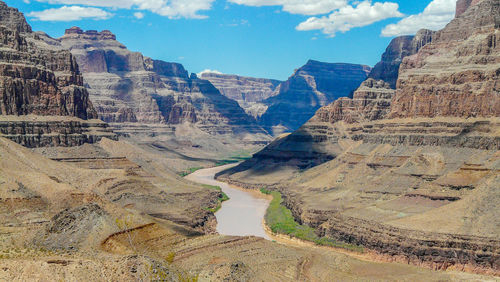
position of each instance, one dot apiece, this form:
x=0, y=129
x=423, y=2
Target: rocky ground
x=116, y=213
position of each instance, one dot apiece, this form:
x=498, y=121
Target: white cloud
x=301, y=7
x=70, y=13
x=350, y=17
x=138, y=15
x=200, y=74
x=167, y=8
x=435, y=16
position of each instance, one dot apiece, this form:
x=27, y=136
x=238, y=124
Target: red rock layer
x=458, y=73
x=371, y=101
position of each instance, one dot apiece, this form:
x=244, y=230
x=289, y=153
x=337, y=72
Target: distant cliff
x=312, y=86
x=129, y=87
x=247, y=91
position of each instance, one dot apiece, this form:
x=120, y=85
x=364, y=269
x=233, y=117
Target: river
x=243, y=214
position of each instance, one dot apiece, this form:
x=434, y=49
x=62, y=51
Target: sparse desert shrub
x=280, y=220
x=169, y=258
x=189, y=171
x=222, y=197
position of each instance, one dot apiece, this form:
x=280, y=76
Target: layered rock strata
x=457, y=74
x=371, y=101
x=415, y=180
x=399, y=48
x=128, y=87
x=39, y=131
x=43, y=101
x=247, y=91
x=312, y=86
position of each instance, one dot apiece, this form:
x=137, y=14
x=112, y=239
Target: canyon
x=95, y=140
x=155, y=103
x=312, y=86
x=249, y=92
x=412, y=172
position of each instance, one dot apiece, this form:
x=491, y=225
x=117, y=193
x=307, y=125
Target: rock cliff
x=41, y=79
x=247, y=91
x=371, y=101
x=415, y=177
x=127, y=87
x=457, y=74
x=399, y=48
x=312, y=86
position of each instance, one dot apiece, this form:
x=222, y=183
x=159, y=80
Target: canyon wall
x=410, y=173
x=247, y=91
x=127, y=87
x=39, y=79
x=312, y=86
x=458, y=73
x=399, y=48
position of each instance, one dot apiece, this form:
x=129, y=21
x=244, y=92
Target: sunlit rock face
x=36, y=77
x=128, y=87
x=399, y=171
x=457, y=74
x=43, y=101
x=399, y=48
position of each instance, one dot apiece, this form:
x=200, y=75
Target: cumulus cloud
x=301, y=7
x=70, y=13
x=201, y=73
x=138, y=15
x=348, y=17
x=168, y=8
x=435, y=16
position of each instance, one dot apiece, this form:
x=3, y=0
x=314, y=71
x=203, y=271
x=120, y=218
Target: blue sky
x=260, y=38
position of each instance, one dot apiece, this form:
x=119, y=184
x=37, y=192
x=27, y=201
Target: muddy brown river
x=243, y=214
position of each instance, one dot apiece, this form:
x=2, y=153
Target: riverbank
x=242, y=215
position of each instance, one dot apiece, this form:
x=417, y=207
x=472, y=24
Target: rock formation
x=312, y=86
x=458, y=73
x=127, y=87
x=416, y=179
x=247, y=91
x=41, y=79
x=371, y=101
x=399, y=48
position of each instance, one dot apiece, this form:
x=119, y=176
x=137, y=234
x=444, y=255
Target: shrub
x=280, y=220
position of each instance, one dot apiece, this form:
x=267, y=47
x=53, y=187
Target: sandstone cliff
x=415, y=177
x=371, y=101
x=41, y=79
x=399, y=48
x=312, y=86
x=127, y=87
x=457, y=74
x=247, y=91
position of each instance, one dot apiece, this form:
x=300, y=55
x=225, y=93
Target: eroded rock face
x=419, y=171
x=247, y=91
x=458, y=73
x=35, y=77
x=312, y=86
x=371, y=101
x=399, y=48
x=128, y=87
x=43, y=101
